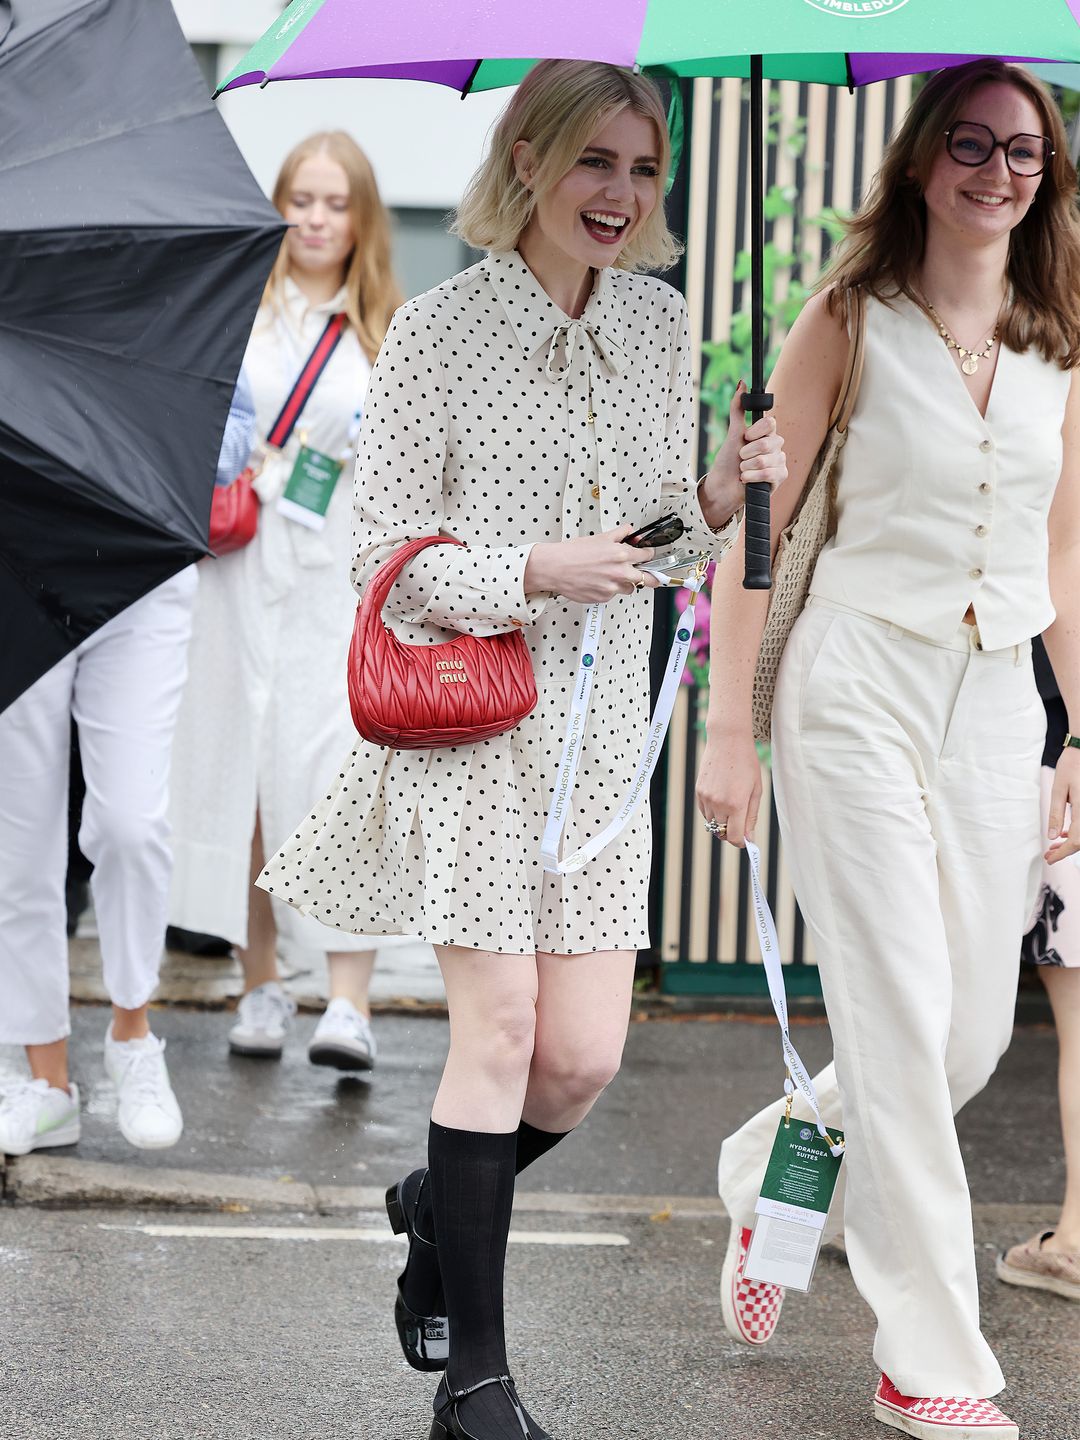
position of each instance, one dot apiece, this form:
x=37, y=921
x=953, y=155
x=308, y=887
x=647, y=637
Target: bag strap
x=306, y=381
x=849, y=390
x=378, y=587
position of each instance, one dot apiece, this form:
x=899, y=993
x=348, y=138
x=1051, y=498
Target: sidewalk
x=405, y=977
x=686, y=1082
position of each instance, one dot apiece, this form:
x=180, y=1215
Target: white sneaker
x=148, y=1113
x=34, y=1116
x=343, y=1038
x=262, y=1018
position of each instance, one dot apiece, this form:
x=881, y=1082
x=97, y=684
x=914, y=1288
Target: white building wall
x=423, y=140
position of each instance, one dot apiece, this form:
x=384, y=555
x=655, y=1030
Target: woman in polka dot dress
x=537, y=407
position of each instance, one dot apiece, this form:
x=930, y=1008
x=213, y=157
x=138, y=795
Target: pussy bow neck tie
x=569, y=334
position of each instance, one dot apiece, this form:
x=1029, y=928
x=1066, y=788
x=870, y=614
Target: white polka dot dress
x=495, y=418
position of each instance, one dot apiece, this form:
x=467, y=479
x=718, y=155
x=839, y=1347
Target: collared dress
x=495, y=418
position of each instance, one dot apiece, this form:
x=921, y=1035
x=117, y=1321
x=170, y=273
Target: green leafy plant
x=728, y=361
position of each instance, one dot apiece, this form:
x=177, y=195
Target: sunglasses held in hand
x=673, y=567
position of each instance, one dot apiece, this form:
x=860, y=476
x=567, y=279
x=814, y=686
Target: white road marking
x=372, y=1234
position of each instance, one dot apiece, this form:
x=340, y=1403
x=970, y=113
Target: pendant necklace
x=969, y=359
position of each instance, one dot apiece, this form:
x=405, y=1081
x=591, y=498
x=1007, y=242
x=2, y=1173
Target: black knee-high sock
x=421, y=1284
x=532, y=1143
x=471, y=1178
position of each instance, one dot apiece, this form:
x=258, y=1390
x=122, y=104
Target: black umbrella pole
x=757, y=401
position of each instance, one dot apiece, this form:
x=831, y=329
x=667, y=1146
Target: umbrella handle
x=758, y=574
x=758, y=525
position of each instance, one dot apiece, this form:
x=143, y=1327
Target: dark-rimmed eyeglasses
x=970, y=143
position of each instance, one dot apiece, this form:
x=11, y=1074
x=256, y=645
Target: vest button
x=985, y=487
x=980, y=529
x=975, y=574
x=986, y=446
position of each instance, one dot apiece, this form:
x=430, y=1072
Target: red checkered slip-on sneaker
x=944, y=1417
x=751, y=1307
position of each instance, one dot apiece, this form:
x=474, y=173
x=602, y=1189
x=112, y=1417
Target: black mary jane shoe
x=425, y=1339
x=447, y=1424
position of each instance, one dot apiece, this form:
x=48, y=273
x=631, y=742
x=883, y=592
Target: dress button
x=975, y=574
x=986, y=446
x=980, y=529
x=985, y=487
x=519, y=623
x=595, y=492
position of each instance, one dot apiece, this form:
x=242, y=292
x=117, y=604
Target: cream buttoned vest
x=938, y=508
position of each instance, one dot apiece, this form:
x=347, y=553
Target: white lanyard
x=575, y=733
x=769, y=943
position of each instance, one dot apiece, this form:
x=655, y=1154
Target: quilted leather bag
x=812, y=524
x=421, y=697
x=234, y=514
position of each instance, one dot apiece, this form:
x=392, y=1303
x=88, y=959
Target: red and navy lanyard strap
x=306, y=381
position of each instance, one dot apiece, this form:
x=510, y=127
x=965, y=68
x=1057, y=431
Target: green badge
x=793, y=1206
x=310, y=486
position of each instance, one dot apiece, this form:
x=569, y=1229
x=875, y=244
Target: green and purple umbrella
x=473, y=45
x=482, y=44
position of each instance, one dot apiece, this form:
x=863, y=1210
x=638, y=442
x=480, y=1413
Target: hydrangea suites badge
x=857, y=9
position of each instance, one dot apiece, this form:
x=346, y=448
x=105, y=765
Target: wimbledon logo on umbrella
x=293, y=19
x=857, y=9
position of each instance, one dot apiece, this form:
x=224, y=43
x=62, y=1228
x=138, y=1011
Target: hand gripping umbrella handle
x=757, y=527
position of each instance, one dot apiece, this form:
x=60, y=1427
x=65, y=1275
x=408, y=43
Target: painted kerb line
x=369, y=1234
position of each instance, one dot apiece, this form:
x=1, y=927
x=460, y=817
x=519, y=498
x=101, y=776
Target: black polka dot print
x=493, y=417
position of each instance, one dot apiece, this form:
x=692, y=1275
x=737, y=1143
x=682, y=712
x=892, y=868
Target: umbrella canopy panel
x=482, y=44
x=134, y=244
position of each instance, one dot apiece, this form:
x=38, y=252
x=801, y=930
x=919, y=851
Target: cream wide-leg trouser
x=907, y=784
x=123, y=686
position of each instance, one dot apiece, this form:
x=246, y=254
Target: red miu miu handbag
x=422, y=697
x=234, y=514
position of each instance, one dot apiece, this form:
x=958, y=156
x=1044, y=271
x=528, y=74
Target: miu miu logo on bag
x=451, y=672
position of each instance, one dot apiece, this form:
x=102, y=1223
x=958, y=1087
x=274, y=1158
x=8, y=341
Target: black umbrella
x=134, y=245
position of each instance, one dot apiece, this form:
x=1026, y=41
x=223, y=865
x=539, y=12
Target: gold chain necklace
x=969, y=359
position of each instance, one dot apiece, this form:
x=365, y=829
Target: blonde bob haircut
x=558, y=108
x=885, y=240
x=371, y=291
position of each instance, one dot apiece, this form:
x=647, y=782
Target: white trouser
x=123, y=687
x=907, y=783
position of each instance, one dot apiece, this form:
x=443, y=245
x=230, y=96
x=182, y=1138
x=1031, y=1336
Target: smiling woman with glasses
x=907, y=731
x=970, y=143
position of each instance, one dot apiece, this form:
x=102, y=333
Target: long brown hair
x=371, y=291
x=885, y=240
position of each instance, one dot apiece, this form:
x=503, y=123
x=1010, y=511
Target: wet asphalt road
x=110, y=1331
x=684, y=1085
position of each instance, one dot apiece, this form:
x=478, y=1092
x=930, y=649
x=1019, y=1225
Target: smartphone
x=664, y=531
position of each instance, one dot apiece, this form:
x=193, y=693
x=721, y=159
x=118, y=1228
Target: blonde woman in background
x=265, y=717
